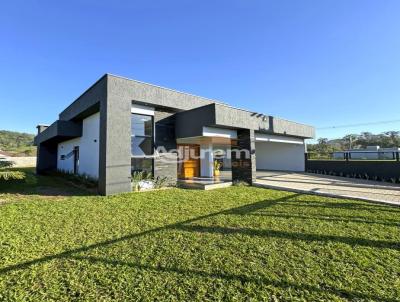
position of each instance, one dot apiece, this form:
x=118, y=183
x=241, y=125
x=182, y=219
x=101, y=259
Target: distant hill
x=17, y=144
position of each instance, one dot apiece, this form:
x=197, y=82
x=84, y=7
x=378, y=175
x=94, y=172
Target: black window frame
x=151, y=137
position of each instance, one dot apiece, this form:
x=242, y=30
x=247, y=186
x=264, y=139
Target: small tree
x=6, y=164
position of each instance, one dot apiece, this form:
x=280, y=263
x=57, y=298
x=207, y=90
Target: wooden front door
x=189, y=164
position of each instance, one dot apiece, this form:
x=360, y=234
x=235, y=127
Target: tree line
x=324, y=147
x=16, y=143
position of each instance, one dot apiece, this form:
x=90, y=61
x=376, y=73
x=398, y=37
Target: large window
x=142, y=142
x=142, y=135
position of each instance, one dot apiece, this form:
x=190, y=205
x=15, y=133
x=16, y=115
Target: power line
x=359, y=125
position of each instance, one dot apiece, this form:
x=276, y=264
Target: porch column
x=244, y=157
x=206, y=160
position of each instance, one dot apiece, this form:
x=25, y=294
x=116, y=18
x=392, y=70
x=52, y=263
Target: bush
x=6, y=164
x=240, y=183
x=142, y=180
x=12, y=175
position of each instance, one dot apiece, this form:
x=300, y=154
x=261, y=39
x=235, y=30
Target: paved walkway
x=330, y=186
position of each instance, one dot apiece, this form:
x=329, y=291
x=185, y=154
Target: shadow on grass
x=290, y=236
x=188, y=227
x=345, y=183
x=43, y=185
x=328, y=217
x=364, y=206
x=257, y=279
x=258, y=205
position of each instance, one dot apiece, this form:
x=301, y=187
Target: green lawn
x=234, y=244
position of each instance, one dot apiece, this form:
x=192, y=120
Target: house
x=4, y=155
x=369, y=153
x=119, y=125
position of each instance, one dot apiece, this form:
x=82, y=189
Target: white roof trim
x=219, y=132
x=140, y=109
x=261, y=137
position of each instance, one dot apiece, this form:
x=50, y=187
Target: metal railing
x=355, y=156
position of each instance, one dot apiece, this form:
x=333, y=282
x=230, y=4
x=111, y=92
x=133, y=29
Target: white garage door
x=279, y=153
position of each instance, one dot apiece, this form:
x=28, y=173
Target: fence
x=383, y=167
x=20, y=162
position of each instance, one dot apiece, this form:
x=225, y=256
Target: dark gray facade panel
x=190, y=123
x=46, y=159
x=115, y=143
x=60, y=130
x=372, y=168
x=164, y=122
x=88, y=102
x=244, y=168
x=165, y=164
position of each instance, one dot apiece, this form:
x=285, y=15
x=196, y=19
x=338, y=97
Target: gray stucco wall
x=152, y=95
x=237, y=118
x=282, y=126
x=115, y=142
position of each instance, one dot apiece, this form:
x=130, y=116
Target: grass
x=233, y=244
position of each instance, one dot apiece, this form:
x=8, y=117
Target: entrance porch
x=204, y=162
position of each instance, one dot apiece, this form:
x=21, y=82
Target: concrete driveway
x=330, y=186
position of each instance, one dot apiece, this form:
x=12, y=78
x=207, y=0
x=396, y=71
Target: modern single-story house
x=119, y=125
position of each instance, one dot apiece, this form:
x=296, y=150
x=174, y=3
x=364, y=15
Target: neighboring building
x=4, y=155
x=369, y=153
x=115, y=127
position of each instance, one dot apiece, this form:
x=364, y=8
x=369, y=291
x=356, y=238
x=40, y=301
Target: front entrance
x=189, y=161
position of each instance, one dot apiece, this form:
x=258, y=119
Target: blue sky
x=324, y=63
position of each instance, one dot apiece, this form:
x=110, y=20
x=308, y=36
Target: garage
x=279, y=153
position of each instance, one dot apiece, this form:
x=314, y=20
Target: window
x=142, y=165
x=142, y=143
x=142, y=135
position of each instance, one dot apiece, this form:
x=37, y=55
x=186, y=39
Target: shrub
x=160, y=182
x=6, y=164
x=139, y=179
x=78, y=179
x=240, y=183
x=12, y=175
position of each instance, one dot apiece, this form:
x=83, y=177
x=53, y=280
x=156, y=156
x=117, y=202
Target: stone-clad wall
x=244, y=168
x=165, y=164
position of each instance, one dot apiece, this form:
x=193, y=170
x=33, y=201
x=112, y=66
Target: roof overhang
x=59, y=131
x=191, y=123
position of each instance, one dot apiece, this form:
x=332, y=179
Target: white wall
x=206, y=160
x=280, y=156
x=88, y=149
